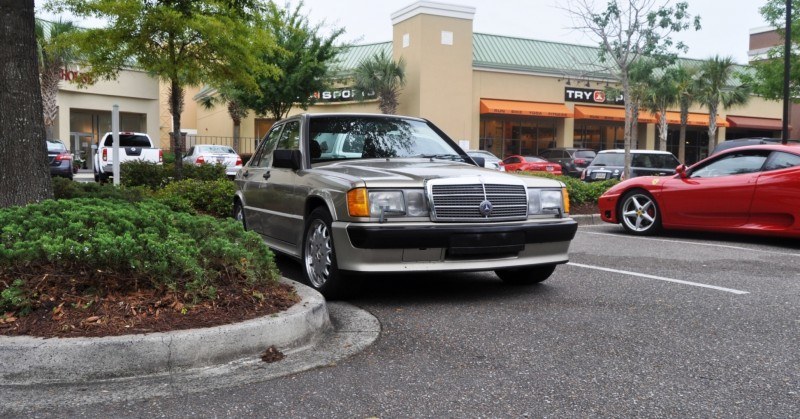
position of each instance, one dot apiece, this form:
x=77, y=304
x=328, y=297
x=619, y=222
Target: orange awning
x=769, y=124
x=694, y=119
x=609, y=114
x=512, y=107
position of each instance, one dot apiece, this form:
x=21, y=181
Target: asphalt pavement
x=681, y=325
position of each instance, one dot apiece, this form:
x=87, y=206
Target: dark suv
x=609, y=164
x=572, y=160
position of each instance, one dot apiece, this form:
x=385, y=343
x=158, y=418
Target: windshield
x=364, y=137
x=486, y=156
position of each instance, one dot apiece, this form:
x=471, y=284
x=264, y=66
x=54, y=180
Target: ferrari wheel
x=639, y=213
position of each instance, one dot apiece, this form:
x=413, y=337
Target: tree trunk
x=626, y=171
x=24, y=168
x=662, y=130
x=51, y=76
x=176, y=108
x=682, y=135
x=712, y=128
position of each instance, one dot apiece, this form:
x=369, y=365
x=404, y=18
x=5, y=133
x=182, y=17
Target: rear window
x=585, y=154
x=221, y=149
x=128, y=140
x=654, y=161
x=57, y=146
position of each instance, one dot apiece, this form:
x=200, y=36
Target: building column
x=565, y=132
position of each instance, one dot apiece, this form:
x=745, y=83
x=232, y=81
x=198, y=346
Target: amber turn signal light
x=357, y=202
x=565, y=194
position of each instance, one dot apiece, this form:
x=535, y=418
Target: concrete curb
x=30, y=360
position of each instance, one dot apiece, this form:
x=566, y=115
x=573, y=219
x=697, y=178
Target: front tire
x=319, y=256
x=526, y=276
x=639, y=213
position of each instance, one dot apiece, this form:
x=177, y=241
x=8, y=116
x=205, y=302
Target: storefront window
x=696, y=143
x=599, y=135
x=504, y=136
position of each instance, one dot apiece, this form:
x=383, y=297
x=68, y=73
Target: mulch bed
x=60, y=311
x=584, y=209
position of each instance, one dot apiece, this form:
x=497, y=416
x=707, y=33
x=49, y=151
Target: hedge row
x=580, y=192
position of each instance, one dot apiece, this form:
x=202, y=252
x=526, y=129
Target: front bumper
x=410, y=247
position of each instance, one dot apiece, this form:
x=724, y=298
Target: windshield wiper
x=451, y=157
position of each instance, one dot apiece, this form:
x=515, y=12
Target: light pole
x=787, y=50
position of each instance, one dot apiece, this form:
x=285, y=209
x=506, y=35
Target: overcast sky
x=726, y=24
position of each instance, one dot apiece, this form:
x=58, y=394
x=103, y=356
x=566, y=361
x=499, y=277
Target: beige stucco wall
x=439, y=74
x=133, y=91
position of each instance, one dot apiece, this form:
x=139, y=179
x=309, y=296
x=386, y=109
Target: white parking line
x=660, y=278
x=749, y=249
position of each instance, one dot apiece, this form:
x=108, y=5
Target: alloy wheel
x=639, y=213
x=318, y=253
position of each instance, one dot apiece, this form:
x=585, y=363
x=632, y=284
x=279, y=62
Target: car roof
x=356, y=114
x=794, y=147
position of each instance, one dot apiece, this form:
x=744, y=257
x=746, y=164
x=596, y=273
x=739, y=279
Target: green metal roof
x=349, y=58
x=530, y=55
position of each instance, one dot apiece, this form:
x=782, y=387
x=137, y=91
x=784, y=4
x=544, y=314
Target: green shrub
x=155, y=176
x=168, y=157
x=64, y=188
x=14, y=297
x=116, y=245
x=142, y=173
x=580, y=192
x=207, y=197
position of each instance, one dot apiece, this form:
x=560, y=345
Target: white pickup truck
x=132, y=146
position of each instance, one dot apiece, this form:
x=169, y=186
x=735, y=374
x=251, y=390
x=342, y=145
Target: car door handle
x=266, y=175
x=245, y=174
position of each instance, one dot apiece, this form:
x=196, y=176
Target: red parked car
x=530, y=164
x=752, y=190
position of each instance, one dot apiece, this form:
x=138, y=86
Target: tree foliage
x=662, y=93
x=718, y=84
x=768, y=80
x=24, y=172
x=382, y=75
x=628, y=30
x=303, y=55
x=183, y=42
x=685, y=75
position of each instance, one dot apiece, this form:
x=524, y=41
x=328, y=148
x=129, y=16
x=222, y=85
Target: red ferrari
x=752, y=190
x=530, y=164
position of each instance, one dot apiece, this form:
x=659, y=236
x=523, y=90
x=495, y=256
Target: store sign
x=576, y=94
x=74, y=76
x=344, y=94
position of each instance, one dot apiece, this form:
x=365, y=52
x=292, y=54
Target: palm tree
x=661, y=94
x=715, y=87
x=54, y=55
x=236, y=110
x=385, y=77
x=685, y=76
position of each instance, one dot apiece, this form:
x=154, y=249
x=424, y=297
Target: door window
x=733, y=164
x=263, y=156
x=290, y=137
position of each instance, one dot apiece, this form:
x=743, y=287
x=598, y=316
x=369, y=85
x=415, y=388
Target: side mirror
x=287, y=159
x=681, y=171
x=480, y=161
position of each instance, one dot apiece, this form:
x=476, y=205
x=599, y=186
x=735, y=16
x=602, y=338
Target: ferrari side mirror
x=681, y=171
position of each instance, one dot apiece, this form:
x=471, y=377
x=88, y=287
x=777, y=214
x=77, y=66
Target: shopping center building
x=504, y=94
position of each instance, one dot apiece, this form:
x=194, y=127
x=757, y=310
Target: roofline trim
x=435, y=9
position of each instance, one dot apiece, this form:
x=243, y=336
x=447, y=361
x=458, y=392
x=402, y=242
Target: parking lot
x=677, y=325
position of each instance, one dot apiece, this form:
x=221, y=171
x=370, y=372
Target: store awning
x=694, y=119
x=609, y=114
x=767, y=124
x=512, y=107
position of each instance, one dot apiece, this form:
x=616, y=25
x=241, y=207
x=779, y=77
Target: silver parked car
x=214, y=154
x=348, y=193
x=490, y=160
